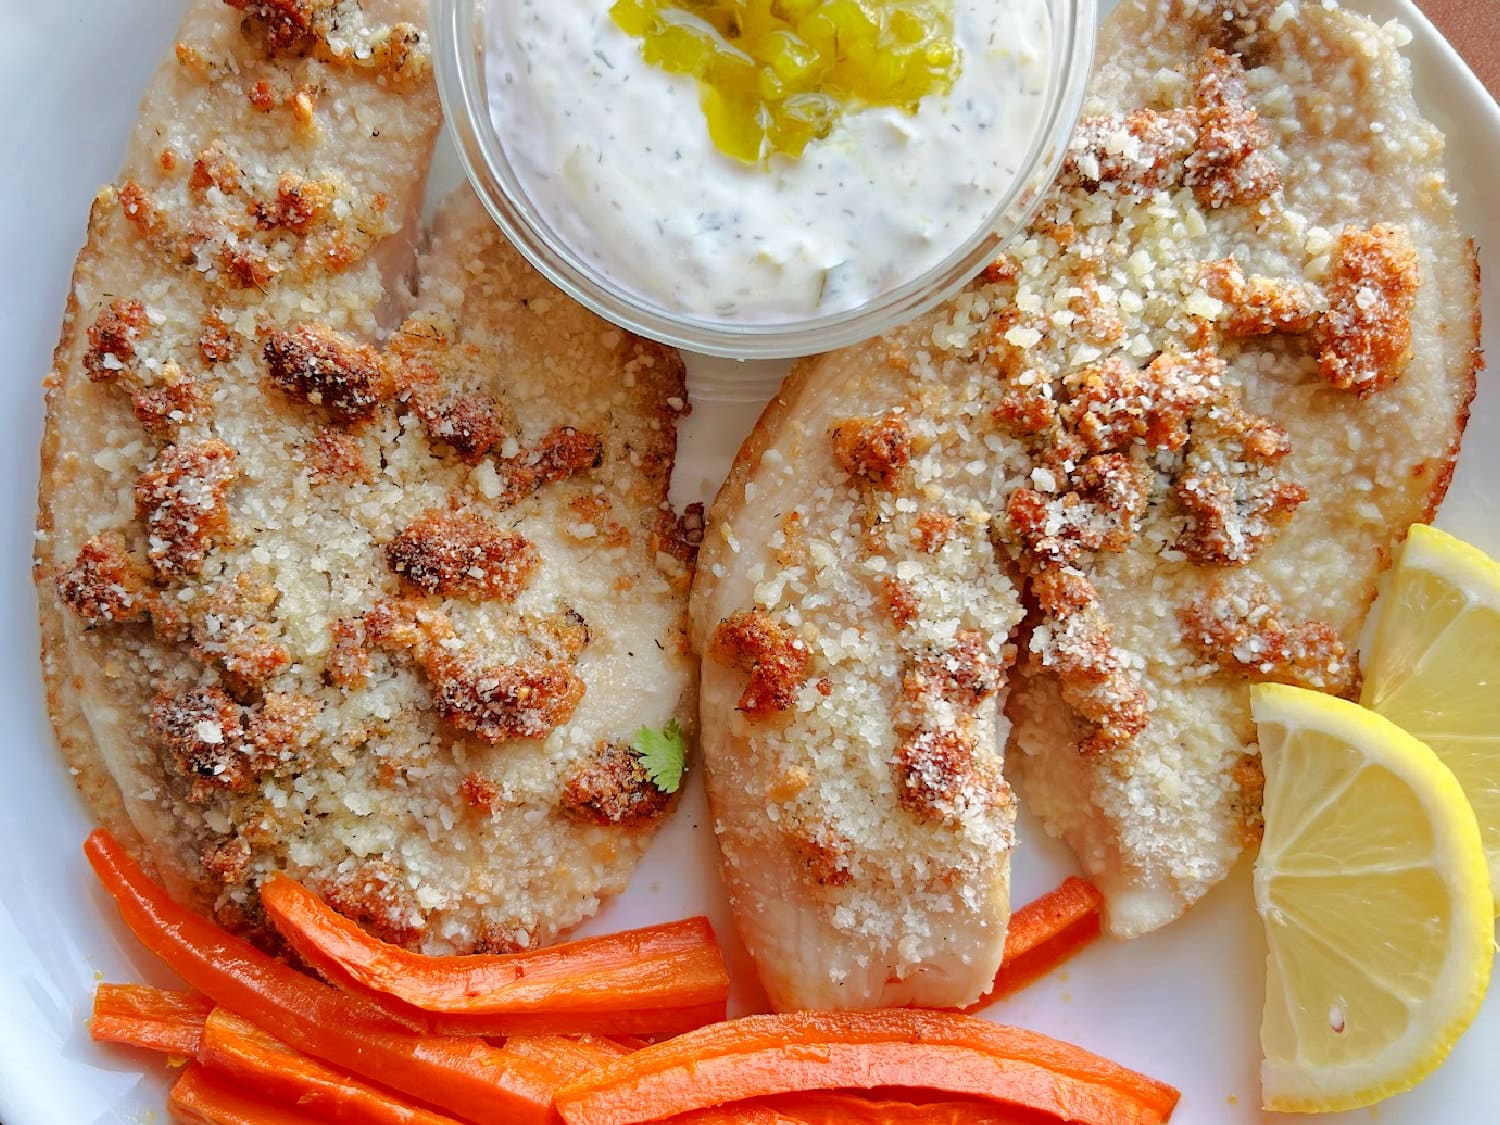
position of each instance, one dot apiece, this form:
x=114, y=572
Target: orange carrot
x=1043, y=934
x=253, y=1060
x=573, y=1055
x=944, y=1052
x=154, y=1018
x=661, y=979
x=630, y=1042
x=465, y=1076
x=201, y=1098
x=845, y=1108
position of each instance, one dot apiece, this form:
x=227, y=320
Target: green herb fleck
x=662, y=754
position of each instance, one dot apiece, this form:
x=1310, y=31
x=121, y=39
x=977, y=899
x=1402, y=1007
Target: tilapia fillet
x=1181, y=425
x=855, y=630
x=383, y=610
x=1261, y=373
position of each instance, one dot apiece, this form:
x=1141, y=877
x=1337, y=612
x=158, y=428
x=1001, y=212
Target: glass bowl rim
x=458, y=61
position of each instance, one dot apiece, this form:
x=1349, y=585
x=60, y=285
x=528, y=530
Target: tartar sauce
x=615, y=156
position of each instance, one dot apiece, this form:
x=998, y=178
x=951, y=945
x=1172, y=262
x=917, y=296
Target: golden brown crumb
x=1062, y=591
x=262, y=95
x=183, y=497
x=1113, y=404
x=1218, y=147
x=1229, y=164
x=139, y=209
x=469, y=424
x=568, y=631
x=1244, y=630
x=964, y=674
x=873, y=449
x=106, y=585
x=1228, y=520
x=461, y=554
x=299, y=203
x=392, y=625
x=527, y=701
x=333, y=455
x=349, y=661
x=284, y=23
x=776, y=658
x=1364, y=340
x=316, y=365
x=214, y=167
x=202, y=731
x=611, y=787
x=162, y=411
x=479, y=792
x=899, y=600
x=1075, y=640
x=1002, y=270
x=1151, y=158
x=825, y=854
x=558, y=455
x=1026, y=411
x=112, y=339
x=1098, y=319
x=1258, y=305
x=938, y=772
x=932, y=531
x=227, y=860
x=376, y=896
x=1250, y=780
x=280, y=725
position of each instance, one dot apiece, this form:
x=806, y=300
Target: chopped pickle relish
x=775, y=75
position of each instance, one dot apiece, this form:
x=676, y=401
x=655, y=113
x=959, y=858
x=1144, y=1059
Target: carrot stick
x=841, y=1107
x=251, y=1059
x=154, y=1018
x=661, y=979
x=943, y=1052
x=573, y=1055
x=1043, y=934
x=465, y=1076
x=201, y=1098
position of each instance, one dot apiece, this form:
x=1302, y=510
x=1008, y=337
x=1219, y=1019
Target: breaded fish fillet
x=855, y=630
x=1273, y=340
x=1202, y=399
x=388, y=618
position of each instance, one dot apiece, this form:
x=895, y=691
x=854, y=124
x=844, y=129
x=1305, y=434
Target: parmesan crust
x=1190, y=413
x=318, y=597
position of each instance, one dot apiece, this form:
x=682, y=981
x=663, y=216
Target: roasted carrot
x=840, y=1107
x=465, y=1076
x=1043, y=934
x=254, y=1060
x=658, y=980
x=573, y=1055
x=201, y=1098
x=154, y=1018
x=945, y=1053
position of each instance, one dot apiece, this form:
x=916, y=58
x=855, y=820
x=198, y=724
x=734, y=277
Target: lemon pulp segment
x=1374, y=892
x=775, y=75
x=1434, y=666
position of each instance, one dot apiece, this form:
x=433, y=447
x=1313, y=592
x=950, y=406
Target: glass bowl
x=459, y=50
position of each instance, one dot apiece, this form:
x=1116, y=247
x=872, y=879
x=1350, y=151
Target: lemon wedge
x=1434, y=667
x=1375, y=895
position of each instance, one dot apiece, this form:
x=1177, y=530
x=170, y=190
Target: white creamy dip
x=615, y=156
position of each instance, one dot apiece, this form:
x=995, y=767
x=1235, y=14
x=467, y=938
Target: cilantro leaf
x=662, y=754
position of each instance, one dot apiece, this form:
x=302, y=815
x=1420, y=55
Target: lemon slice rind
x=1290, y=1080
x=1421, y=673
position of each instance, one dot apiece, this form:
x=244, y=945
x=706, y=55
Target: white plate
x=1183, y=1004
